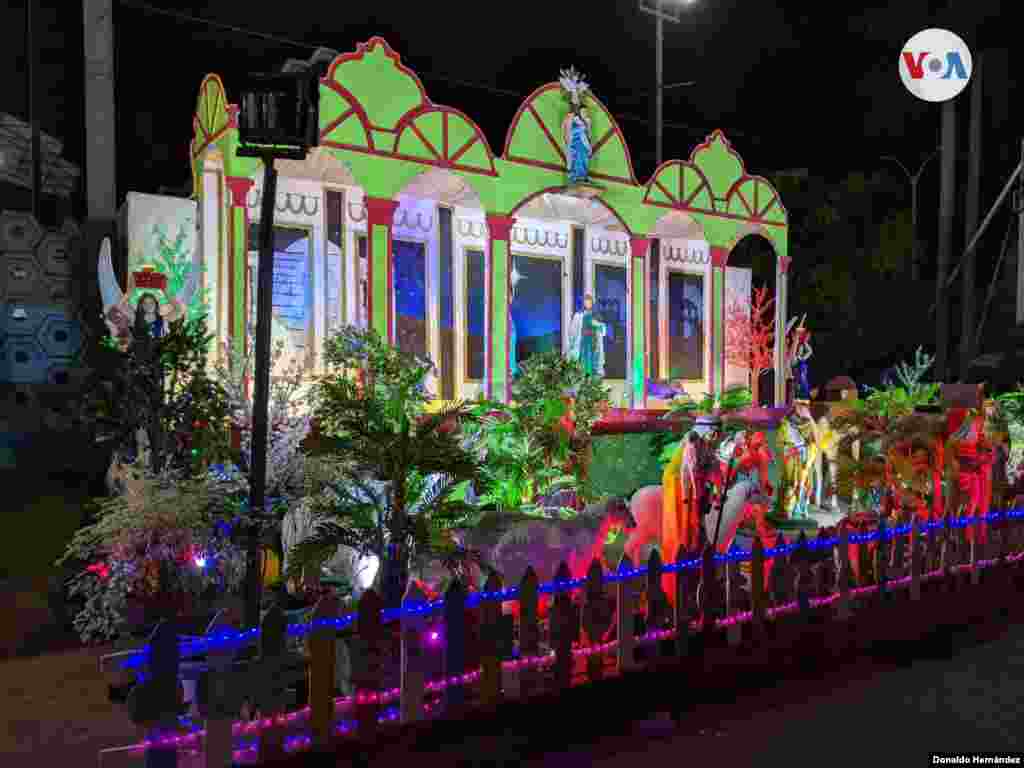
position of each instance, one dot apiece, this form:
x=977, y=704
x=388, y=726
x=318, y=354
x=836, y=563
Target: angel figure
x=798, y=353
x=118, y=312
x=576, y=126
x=586, y=339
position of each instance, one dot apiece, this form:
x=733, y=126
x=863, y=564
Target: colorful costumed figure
x=118, y=313
x=513, y=336
x=576, y=127
x=798, y=355
x=586, y=339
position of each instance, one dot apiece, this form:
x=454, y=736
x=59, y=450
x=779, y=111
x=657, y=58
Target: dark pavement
x=964, y=692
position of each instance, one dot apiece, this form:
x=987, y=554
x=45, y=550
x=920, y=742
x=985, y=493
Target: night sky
x=794, y=85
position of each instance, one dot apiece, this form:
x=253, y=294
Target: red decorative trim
x=547, y=132
x=499, y=226
x=462, y=150
x=784, y=262
x=665, y=192
x=528, y=102
x=602, y=141
x=444, y=133
x=550, y=190
x=354, y=104
x=770, y=205
x=719, y=256
x=239, y=186
x=408, y=158
x=743, y=199
x=232, y=255
x=368, y=47
x=426, y=142
x=638, y=246
x=338, y=121
x=711, y=326
x=716, y=213
x=380, y=210
x=233, y=110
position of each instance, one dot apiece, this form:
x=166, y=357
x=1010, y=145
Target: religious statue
x=798, y=353
x=576, y=126
x=118, y=312
x=513, y=336
x=586, y=339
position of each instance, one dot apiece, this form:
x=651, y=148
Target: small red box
x=150, y=279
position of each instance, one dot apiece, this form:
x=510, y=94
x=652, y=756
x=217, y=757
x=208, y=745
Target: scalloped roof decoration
x=342, y=121
x=719, y=163
x=535, y=136
x=375, y=70
x=753, y=197
x=212, y=117
x=444, y=136
x=681, y=185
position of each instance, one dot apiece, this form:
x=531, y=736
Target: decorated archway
x=377, y=119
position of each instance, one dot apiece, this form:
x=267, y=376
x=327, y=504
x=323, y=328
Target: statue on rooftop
x=576, y=126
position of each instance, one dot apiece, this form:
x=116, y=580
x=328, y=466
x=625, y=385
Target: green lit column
x=637, y=378
x=238, y=239
x=719, y=257
x=380, y=216
x=499, y=286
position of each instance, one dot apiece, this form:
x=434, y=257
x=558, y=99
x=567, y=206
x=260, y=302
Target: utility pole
x=31, y=71
x=971, y=215
x=659, y=90
x=947, y=211
x=913, y=178
x=99, y=125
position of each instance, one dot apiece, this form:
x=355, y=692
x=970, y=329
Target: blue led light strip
x=224, y=640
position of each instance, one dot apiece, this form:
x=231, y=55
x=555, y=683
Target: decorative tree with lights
x=750, y=335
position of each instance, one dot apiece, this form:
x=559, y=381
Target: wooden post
x=454, y=649
x=864, y=563
x=882, y=560
x=843, y=576
x=625, y=601
x=596, y=617
x=707, y=594
x=758, y=601
x=271, y=699
x=562, y=629
x=154, y=702
x=780, y=585
x=682, y=607
x=368, y=663
x=915, y=559
x=320, y=643
x=657, y=602
x=221, y=703
x=733, y=591
x=529, y=632
x=802, y=585
x=490, y=658
x=977, y=554
x=414, y=623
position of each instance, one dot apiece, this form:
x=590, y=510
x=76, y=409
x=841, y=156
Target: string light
x=237, y=639
x=246, y=728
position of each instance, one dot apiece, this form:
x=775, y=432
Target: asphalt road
x=962, y=693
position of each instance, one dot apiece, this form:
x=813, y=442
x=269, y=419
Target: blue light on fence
x=227, y=639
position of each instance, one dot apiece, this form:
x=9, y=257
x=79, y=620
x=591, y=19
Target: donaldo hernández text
x=978, y=758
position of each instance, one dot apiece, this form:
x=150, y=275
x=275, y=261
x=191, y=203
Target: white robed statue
x=586, y=339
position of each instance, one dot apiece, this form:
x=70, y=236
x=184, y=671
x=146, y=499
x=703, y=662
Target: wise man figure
x=586, y=339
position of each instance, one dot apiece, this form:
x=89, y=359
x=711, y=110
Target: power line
x=289, y=43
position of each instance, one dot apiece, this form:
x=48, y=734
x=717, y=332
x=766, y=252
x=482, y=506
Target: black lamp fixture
x=278, y=119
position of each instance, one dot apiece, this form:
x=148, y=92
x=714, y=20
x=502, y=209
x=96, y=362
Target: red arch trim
x=444, y=154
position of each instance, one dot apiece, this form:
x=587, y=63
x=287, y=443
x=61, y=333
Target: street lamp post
x=662, y=11
x=278, y=118
x=913, y=178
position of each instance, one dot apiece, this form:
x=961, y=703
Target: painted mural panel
x=610, y=304
x=292, y=298
x=737, y=288
x=476, y=292
x=161, y=235
x=537, y=306
x=686, y=318
x=410, y=286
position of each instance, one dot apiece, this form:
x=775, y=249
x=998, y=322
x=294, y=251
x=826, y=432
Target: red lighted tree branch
x=750, y=335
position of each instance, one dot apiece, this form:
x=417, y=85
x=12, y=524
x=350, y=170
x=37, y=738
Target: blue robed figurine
x=586, y=339
x=576, y=127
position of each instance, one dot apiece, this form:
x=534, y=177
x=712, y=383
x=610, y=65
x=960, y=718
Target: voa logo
x=935, y=65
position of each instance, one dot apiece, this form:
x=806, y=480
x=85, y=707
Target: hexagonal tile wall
x=60, y=336
x=25, y=319
x=54, y=253
x=19, y=231
x=22, y=276
x=27, y=363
